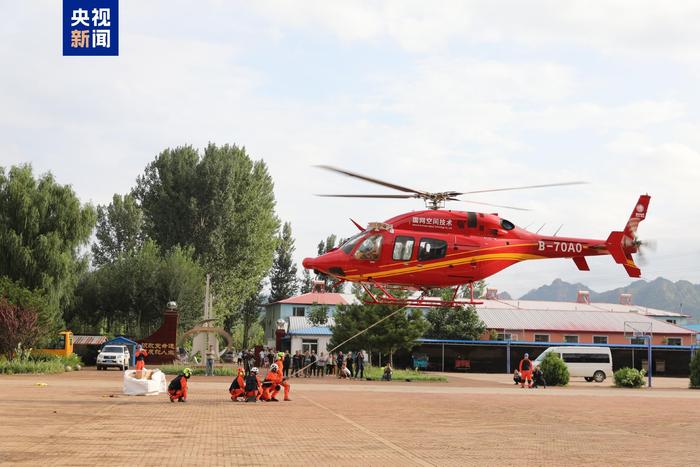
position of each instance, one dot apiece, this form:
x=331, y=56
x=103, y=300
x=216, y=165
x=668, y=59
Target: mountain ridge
x=680, y=296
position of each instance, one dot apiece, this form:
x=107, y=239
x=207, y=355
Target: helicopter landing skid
x=386, y=298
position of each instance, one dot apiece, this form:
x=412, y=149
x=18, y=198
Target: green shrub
x=556, y=373
x=629, y=378
x=695, y=371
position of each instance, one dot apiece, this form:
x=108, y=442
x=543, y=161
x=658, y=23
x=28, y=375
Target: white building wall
x=296, y=343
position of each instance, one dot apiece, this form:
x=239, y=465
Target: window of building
x=403, y=248
x=638, y=341
x=505, y=336
x=672, y=321
x=310, y=345
x=299, y=311
x=674, y=341
x=600, y=339
x=430, y=248
x=541, y=337
x=370, y=248
x=571, y=339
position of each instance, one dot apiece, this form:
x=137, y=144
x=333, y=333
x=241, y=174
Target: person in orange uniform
x=253, y=388
x=177, y=389
x=237, y=388
x=141, y=355
x=275, y=378
x=525, y=371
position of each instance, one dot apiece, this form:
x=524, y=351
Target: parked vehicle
x=113, y=355
x=590, y=363
x=61, y=345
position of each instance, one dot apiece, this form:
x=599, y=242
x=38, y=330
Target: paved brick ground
x=471, y=420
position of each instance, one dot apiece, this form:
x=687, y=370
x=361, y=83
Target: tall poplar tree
x=283, y=276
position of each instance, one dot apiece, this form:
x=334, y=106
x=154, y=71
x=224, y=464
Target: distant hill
x=660, y=293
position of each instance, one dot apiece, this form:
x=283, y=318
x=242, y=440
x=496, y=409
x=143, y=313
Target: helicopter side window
x=349, y=244
x=370, y=248
x=430, y=248
x=507, y=225
x=403, y=248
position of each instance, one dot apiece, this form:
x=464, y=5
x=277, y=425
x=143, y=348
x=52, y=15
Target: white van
x=591, y=363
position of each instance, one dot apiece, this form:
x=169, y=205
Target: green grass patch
x=17, y=366
x=31, y=363
x=375, y=374
x=198, y=370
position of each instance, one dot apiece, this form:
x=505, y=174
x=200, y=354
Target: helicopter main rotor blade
x=489, y=204
x=523, y=187
x=369, y=196
x=370, y=179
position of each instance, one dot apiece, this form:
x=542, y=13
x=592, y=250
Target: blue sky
x=453, y=95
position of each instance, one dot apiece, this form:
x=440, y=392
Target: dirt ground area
x=82, y=418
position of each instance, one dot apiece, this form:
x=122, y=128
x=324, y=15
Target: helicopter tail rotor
x=622, y=245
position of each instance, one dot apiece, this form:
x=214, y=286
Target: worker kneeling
x=253, y=388
x=274, y=381
x=177, y=389
x=237, y=388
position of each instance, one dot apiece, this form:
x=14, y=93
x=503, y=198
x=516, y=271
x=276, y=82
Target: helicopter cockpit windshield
x=350, y=243
x=370, y=248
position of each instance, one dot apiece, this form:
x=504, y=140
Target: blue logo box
x=90, y=27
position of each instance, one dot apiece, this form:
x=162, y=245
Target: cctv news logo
x=90, y=27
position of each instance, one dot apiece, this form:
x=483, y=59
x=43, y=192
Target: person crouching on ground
x=388, y=372
x=538, y=378
x=344, y=372
x=525, y=371
x=177, y=389
x=237, y=388
x=516, y=377
x=253, y=388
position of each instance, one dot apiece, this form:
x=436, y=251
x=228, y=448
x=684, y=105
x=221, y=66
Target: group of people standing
x=340, y=365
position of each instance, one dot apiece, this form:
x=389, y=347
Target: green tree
x=306, y=282
x=128, y=295
x=695, y=370
x=42, y=229
x=318, y=315
x=119, y=229
x=249, y=315
x=454, y=323
x=283, y=276
x=324, y=246
x=222, y=204
x=399, y=332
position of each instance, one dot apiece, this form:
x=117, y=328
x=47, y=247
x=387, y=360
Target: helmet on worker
x=280, y=354
x=187, y=373
x=254, y=369
x=274, y=367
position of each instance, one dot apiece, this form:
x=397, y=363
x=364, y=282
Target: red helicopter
x=443, y=248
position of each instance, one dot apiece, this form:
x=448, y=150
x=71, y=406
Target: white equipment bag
x=150, y=383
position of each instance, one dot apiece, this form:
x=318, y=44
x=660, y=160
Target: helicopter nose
x=308, y=263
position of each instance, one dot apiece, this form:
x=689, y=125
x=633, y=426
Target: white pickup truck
x=113, y=355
